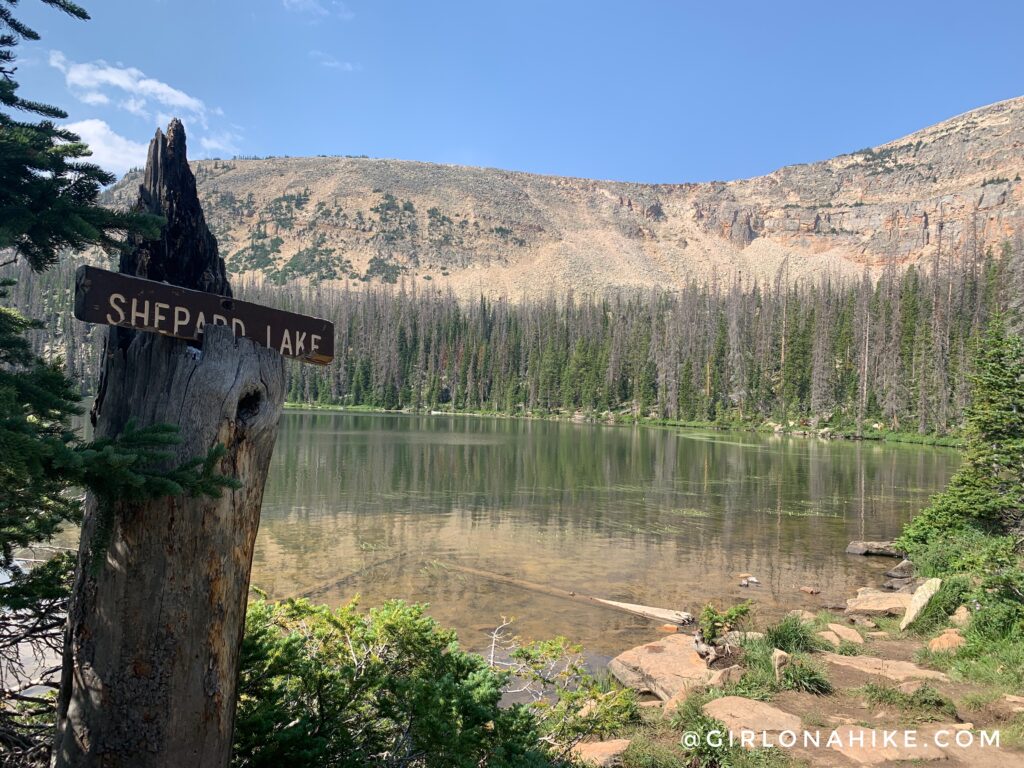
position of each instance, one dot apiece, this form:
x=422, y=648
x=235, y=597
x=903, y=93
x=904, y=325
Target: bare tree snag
x=151, y=653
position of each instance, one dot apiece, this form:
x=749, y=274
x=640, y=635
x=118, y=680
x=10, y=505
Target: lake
x=391, y=505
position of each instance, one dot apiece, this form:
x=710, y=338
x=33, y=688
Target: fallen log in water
x=320, y=589
x=648, y=612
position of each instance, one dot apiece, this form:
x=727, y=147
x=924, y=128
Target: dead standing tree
x=155, y=625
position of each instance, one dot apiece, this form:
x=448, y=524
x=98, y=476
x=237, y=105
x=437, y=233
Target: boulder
x=810, y=590
x=895, y=585
x=902, y=571
x=726, y=677
x=780, y=659
x=879, y=548
x=920, y=599
x=805, y=616
x=600, y=753
x=866, y=746
x=948, y=642
x=665, y=667
x=847, y=634
x=899, y=671
x=875, y=602
x=740, y=714
x=830, y=637
x=669, y=707
x=961, y=616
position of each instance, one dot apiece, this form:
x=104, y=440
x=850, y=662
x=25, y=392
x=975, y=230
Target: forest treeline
x=830, y=352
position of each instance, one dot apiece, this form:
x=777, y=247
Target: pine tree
x=987, y=492
x=48, y=194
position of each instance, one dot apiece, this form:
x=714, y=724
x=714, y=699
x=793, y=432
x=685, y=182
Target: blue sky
x=640, y=91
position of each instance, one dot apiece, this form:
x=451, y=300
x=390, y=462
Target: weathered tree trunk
x=151, y=652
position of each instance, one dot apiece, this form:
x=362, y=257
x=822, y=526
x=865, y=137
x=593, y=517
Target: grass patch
x=846, y=648
x=645, y=752
x=802, y=674
x=793, y=636
x=923, y=705
x=823, y=618
x=994, y=652
x=890, y=624
x=758, y=681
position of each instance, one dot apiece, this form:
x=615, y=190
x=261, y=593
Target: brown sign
x=111, y=298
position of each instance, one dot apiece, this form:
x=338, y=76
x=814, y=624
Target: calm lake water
x=383, y=506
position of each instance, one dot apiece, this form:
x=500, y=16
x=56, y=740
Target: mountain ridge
x=950, y=190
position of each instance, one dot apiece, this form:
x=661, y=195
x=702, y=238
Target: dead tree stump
x=151, y=653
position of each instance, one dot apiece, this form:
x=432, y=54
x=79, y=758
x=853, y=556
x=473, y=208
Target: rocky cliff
x=952, y=189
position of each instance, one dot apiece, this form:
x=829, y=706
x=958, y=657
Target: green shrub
x=714, y=624
x=940, y=547
x=383, y=688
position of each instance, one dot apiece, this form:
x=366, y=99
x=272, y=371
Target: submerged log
x=648, y=612
x=151, y=651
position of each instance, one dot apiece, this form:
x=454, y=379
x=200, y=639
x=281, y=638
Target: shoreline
x=621, y=420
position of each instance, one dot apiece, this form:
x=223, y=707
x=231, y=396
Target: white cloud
x=329, y=61
x=306, y=6
x=320, y=8
x=110, y=150
x=90, y=79
x=94, y=98
x=135, y=106
x=109, y=87
x=221, y=144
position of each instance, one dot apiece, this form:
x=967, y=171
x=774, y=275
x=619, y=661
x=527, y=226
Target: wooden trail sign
x=112, y=298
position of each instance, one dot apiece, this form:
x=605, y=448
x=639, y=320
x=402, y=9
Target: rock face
x=920, y=599
x=847, y=634
x=874, y=602
x=902, y=571
x=948, y=642
x=1014, y=703
x=961, y=616
x=780, y=660
x=746, y=715
x=866, y=746
x=948, y=188
x=893, y=670
x=879, y=548
x=666, y=667
x=830, y=637
x=600, y=753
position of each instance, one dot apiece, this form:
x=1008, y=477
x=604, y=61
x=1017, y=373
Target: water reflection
x=383, y=505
